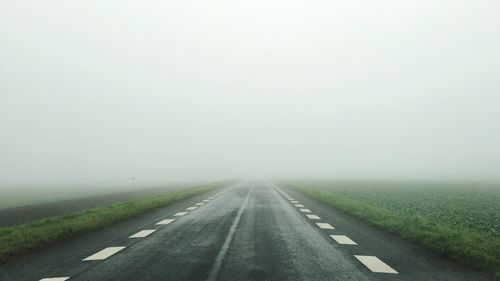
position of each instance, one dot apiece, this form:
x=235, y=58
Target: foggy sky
x=97, y=92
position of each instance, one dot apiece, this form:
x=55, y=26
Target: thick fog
x=104, y=92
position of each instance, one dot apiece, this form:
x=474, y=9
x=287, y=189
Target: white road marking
x=305, y=210
x=299, y=205
x=104, y=254
x=212, y=276
x=313, y=217
x=192, y=208
x=200, y=204
x=344, y=240
x=295, y=202
x=167, y=221
x=205, y=200
x=375, y=264
x=324, y=225
x=180, y=214
x=55, y=279
x=143, y=233
x=291, y=199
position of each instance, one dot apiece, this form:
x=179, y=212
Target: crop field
x=25, y=196
x=34, y=235
x=15, y=197
x=456, y=219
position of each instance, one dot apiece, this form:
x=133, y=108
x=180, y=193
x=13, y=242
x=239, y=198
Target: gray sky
x=95, y=92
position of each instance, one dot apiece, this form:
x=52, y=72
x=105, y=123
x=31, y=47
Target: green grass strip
x=25, y=238
x=476, y=250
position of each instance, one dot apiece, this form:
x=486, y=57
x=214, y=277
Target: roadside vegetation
x=11, y=197
x=42, y=233
x=460, y=221
x=17, y=197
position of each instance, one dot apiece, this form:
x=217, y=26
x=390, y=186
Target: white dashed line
x=305, y=210
x=291, y=199
x=104, y=254
x=167, y=221
x=191, y=208
x=299, y=205
x=313, y=217
x=180, y=214
x=200, y=204
x=323, y=225
x=55, y=279
x=375, y=264
x=206, y=200
x=143, y=233
x=295, y=202
x=344, y=240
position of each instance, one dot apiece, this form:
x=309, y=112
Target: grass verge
x=470, y=248
x=25, y=238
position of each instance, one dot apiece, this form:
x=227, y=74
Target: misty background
x=100, y=92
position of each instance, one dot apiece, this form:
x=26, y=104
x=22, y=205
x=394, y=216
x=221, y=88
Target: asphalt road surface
x=249, y=231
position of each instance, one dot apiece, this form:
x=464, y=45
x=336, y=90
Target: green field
x=15, y=197
x=28, y=237
x=24, y=196
x=458, y=220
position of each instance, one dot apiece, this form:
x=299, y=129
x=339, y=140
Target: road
x=249, y=231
